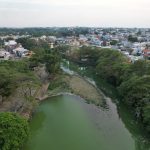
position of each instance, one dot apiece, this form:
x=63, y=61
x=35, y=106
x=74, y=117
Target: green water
x=68, y=123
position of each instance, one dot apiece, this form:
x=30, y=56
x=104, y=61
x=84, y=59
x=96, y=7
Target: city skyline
x=65, y=13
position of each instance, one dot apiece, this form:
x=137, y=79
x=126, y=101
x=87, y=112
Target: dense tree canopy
x=146, y=117
x=114, y=42
x=13, y=131
x=136, y=92
x=132, y=38
x=131, y=79
x=111, y=65
x=12, y=74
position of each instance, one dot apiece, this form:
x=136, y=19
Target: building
x=10, y=45
x=4, y=55
x=146, y=53
x=20, y=52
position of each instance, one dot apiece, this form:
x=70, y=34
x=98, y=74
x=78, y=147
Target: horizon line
x=9, y=27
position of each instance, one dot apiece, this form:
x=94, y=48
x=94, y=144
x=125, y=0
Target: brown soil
x=83, y=88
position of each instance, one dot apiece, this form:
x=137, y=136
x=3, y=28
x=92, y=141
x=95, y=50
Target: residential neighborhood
x=132, y=42
x=13, y=50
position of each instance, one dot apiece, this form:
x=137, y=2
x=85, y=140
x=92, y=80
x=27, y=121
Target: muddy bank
x=83, y=88
x=79, y=86
x=62, y=83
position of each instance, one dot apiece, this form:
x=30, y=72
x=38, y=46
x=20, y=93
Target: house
x=83, y=38
x=135, y=58
x=4, y=55
x=52, y=39
x=51, y=45
x=146, y=53
x=137, y=51
x=43, y=37
x=20, y=52
x=10, y=45
x=61, y=40
x=95, y=42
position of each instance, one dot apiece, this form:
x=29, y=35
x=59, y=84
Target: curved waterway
x=67, y=122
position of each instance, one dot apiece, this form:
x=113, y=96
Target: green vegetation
x=131, y=80
x=43, y=54
x=50, y=58
x=36, y=32
x=146, y=117
x=132, y=39
x=32, y=44
x=58, y=83
x=20, y=73
x=114, y=42
x=111, y=66
x=13, y=131
x=19, y=78
x=12, y=73
x=84, y=55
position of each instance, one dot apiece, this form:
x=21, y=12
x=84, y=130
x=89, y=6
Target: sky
x=64, y=13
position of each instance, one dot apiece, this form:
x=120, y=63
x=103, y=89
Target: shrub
x=13, y=131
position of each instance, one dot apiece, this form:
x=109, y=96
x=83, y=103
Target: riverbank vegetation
x=13, y=74
x=17, y=87
x=14, y=131
x=132, y=80
x=21, y=84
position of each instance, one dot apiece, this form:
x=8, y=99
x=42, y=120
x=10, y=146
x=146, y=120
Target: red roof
x=146, y=52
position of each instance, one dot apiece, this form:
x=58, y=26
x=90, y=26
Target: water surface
x=69, y=123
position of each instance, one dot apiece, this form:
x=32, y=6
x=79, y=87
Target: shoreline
x=71, y=91
x=74, y=85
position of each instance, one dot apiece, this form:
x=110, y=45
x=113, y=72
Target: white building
x=20, y=52
x=4, y=55
x=10, y=43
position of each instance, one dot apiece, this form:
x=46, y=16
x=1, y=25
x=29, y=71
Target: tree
x=28, y=90
x=27, y=43
x=111, y=66
x=12, y=74
x=90, y=54
x=13, y=131
x=136, y=93
x=52, y=63
x=6, y=82
x=132, y=39
x=113, y=42
x=146, y=117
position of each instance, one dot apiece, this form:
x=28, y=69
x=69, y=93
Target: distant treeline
x=36, y=32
